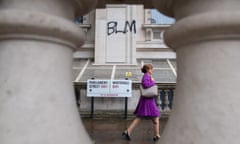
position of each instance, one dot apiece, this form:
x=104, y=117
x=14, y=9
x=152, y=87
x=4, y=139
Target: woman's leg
x=134, y=123
x=156, y=126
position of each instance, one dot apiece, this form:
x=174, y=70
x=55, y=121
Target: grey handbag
x=149, y=92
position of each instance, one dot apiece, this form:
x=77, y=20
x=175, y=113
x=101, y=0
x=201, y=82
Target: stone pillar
x=37, y=39
x=206, y=38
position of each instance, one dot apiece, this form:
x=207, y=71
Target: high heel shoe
x=156, y=138
x=127, y=136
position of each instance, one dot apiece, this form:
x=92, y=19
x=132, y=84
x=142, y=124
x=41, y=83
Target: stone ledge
x=114, y=114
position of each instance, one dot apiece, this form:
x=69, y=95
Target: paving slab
x=109, y=131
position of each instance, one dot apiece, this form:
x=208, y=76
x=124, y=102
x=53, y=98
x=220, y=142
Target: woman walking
x=146, y=107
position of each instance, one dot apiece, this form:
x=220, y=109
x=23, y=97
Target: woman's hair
x=146, y=67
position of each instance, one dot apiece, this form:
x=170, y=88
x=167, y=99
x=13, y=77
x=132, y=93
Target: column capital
x=198, y=20
x=62, y=8
x=20, y=24
x=206, y=38
x=44, y=20
x=205, y=26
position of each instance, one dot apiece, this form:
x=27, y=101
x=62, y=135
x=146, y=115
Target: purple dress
x=147, y=106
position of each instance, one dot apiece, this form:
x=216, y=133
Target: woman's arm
x=147, y=81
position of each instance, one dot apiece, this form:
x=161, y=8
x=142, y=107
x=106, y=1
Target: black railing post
x=92, y=107
x=126, y=108
x=126, y=105
x=92, y=104
x=77, y=96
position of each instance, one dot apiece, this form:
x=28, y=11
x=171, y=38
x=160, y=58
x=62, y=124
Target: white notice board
x=109, y=88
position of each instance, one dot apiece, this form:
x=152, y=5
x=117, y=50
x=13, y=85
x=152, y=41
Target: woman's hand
x=152, y=79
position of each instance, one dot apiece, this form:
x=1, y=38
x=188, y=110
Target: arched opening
x=142, y=42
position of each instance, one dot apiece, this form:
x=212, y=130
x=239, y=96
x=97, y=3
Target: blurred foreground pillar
x=206, y=38
x=37, y=38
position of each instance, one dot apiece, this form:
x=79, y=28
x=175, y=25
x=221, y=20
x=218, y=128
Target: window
x=80, y=20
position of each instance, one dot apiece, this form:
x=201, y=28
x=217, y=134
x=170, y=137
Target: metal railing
x=165, y=98
x=164, y=101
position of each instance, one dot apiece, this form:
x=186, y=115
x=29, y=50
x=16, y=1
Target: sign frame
x=109, y=88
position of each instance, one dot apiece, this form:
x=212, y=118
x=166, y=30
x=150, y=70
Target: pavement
x=109, y=130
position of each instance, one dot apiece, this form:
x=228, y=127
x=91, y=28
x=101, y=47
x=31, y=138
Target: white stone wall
x=108, y=103
x=116, y=28
x=119, y=48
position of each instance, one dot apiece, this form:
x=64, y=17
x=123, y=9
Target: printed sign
x=109, y=88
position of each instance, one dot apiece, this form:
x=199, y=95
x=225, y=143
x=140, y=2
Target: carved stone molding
x=20, y=24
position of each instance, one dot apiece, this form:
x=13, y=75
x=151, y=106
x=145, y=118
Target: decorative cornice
x=157, y=26
x=146, y=3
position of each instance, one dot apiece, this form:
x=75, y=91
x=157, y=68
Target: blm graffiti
x=112, y=27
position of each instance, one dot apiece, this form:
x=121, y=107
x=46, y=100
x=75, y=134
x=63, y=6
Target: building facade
x=121, y=34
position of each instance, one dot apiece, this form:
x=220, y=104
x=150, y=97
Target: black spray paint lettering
x=112, y=27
